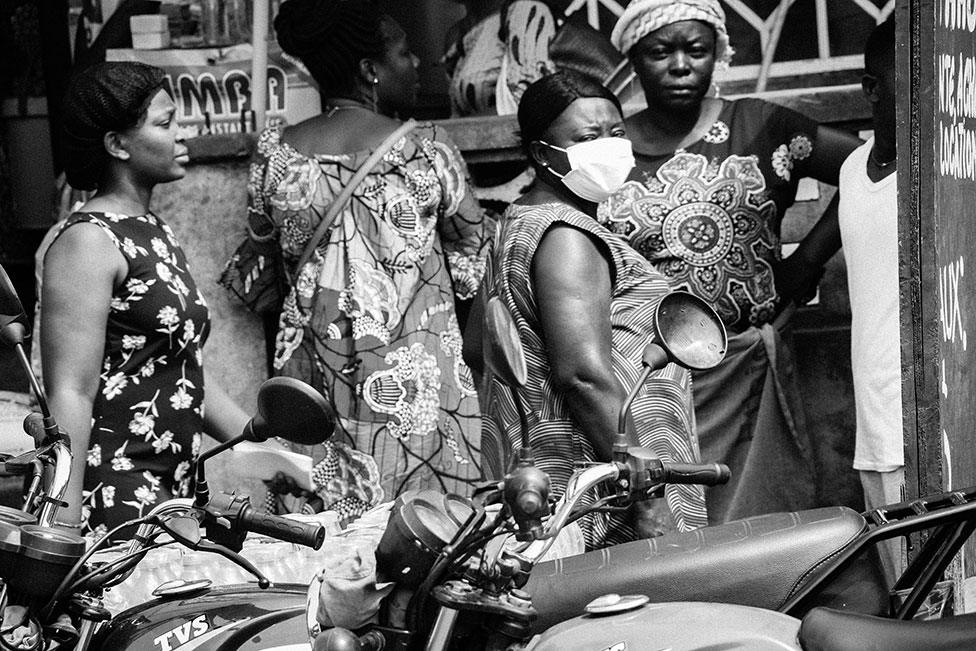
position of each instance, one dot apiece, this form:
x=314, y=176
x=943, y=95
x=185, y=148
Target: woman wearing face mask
x=705, y=203
x=583, y=302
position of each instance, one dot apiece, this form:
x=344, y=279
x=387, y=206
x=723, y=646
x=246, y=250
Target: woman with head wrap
x=584, y=304
x=370, y=319
x=124, y=324
x=712, y=182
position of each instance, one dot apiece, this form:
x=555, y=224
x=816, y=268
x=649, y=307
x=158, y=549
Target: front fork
x=90, y=615
x=443, y=629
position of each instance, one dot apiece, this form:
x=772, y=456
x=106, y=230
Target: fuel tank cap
x=610, y=604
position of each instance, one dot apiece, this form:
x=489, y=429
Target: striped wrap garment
x=662, y=413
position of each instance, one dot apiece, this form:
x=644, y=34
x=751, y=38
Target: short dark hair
x=331, y=37
x=104, y=97
x=879, y=51
x=545, y=100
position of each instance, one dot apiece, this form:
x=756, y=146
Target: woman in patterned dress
x=124, y=324
x=370, y=320
x=583, y=302
x=704, y=205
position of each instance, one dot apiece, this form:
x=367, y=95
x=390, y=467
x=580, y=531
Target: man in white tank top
x=868, y=214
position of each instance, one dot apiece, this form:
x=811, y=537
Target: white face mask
x=597, y=167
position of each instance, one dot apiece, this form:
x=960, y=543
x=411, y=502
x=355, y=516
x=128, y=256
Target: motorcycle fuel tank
x=225, y=618
x=675, y=626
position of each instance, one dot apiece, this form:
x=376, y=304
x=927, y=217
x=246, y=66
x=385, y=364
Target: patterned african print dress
x=370, y=320
x=147, y=418
x=708, y=217
x=662, y=413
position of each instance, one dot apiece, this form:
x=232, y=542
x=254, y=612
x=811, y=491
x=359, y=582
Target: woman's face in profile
x=155, y=146
x=675, y=64
x=398, y=81
x=586, y=118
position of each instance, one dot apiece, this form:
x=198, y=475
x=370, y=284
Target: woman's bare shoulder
x=344, y=132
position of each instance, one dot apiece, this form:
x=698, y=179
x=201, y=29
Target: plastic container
x=213, y=22
x=197, y=566
x=117, y=598
x=167, y=563
x=265, y=559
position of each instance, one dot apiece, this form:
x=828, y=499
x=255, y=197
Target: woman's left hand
x=796, y=281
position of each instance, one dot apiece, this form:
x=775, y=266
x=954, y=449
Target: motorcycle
x=52, y=588
x=745, y=584
x=765, y=572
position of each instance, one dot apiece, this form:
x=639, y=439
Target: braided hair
x=331, y=37
x=546, y=98
x=105, y=97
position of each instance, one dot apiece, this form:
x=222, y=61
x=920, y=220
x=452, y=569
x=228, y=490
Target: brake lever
x=186, y=530
x=207, y=546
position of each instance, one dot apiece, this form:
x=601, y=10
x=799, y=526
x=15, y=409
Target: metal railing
x=769, y=30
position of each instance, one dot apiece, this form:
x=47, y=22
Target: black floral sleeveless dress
x=147, y=418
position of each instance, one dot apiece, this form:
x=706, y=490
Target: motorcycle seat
x=759, y=561
x=824, y=629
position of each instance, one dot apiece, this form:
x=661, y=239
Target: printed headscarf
x=645, y=16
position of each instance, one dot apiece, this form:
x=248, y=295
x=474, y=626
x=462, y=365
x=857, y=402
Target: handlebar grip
x=309, y=534
x=706, y=474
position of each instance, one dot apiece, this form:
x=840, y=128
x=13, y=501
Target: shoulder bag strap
x=346, y=194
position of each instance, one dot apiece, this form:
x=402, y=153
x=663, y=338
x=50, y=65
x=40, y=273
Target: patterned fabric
x=662, y=413
x=474, y=62
x=641, y=17
x=370, y=320
x=147, y=419
x=708, y=216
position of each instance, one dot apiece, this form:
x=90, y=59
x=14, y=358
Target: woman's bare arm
x=223, y=418
x=81, y=269
x=571, y=278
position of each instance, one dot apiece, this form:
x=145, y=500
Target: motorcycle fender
x=218, y=619
x=676, y=626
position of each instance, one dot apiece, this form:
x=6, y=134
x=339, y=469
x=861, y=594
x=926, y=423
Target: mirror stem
x=655, y=357
x=201, y=492
x=525, y=453
x=50, y=425
x=620, y=443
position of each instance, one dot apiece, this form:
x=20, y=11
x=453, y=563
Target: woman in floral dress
x=370, y=320
x=704, y=205
x=124, y=324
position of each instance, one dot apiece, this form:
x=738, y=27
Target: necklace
x=881, y=165
x=331, y=108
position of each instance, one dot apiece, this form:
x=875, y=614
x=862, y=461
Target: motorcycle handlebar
x=706, y=474
x=34, y=427
x=309, y=534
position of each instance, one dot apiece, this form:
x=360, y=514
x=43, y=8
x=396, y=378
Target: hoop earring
x=375, y=96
